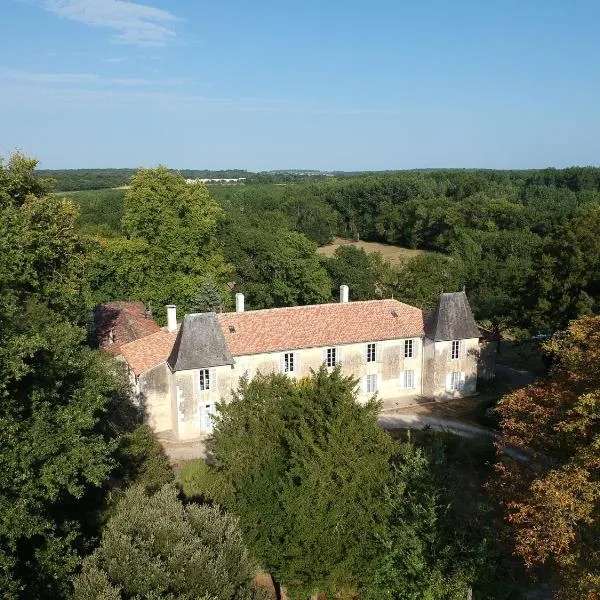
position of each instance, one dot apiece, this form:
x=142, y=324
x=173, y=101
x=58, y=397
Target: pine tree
x=208, y=298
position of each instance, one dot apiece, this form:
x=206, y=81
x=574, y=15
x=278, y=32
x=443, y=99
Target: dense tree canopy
x=306, y=467
x=553, y=501
x=170, y=245
x=155, y=547
x=65, y=414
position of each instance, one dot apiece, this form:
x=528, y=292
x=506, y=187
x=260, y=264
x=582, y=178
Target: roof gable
x=452, y=319
x=149, y=351
x=119, y=323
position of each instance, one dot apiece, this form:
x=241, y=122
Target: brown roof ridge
x=305, y=306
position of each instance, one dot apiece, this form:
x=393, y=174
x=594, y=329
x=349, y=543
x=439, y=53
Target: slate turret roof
x=199, y=344
x=452, y=319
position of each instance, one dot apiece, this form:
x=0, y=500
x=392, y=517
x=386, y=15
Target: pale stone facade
x=180, y=394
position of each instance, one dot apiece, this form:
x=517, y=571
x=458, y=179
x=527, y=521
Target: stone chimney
x=343, y=294
x=239, y=302
x=171, y=318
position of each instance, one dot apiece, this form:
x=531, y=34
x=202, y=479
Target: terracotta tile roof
x=278, y=329
x=149, y=351
x=126, y=320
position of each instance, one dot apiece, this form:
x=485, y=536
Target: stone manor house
x=181, y=371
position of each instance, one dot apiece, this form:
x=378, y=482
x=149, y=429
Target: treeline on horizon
x=66, y=180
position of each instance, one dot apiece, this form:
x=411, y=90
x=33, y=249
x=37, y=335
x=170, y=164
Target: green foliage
x=306, y=465
x=442, y=536
x=351, y=266
x=276, y=267
x=101, y=211
x=155, y=547
x=201, y=482
x=170, y=247
x=65, y=411
x=141, y=460
x=208, y=299
x=423, y=278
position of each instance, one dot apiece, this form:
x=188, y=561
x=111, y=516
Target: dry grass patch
x=394, y=254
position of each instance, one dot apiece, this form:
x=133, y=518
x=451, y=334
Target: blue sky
x=320, y=84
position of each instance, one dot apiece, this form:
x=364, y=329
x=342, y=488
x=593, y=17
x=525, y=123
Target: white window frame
x=409, y=348
x=456, y=381
x=204, y=380
x=288, y=362
x=331, y=357
x=371, y=383
x=371, y=352
x=408, y=379
x=455, y=350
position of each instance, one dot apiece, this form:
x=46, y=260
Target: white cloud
x=134, y=23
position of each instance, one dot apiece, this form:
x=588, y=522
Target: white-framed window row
x=204, y=380
x=407, y=379
x=288, y=362
x=370, y=384
x=332, y=356
x=372, y=352
x=456, y=381
x=455, y=352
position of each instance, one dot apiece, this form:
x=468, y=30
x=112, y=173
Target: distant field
x=394, y=254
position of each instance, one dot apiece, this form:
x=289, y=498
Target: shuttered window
x=371, y=384
x=204, y=380
x=408, y=379
x=456, y=381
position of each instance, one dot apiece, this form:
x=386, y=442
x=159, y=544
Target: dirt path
x=402, y=420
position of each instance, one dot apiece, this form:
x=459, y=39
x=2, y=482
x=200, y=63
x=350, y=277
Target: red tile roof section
x=296, y=327
x=149, y=351
x=128, y=322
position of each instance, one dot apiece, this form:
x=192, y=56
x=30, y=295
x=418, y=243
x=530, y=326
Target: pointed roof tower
x=200, y=344
x=452, y=319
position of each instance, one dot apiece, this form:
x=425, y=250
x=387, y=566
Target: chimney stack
x=343, y=294
x=171, y=318
x=239, y=302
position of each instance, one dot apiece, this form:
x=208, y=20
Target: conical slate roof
x=452, y=319
x=200, y=344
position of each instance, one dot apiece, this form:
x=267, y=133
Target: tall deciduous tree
x=171, y=243
x=306, y=466
x=553, y=501
x=276, y=267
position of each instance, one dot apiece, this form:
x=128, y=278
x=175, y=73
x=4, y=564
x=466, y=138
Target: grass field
x=394, y=254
